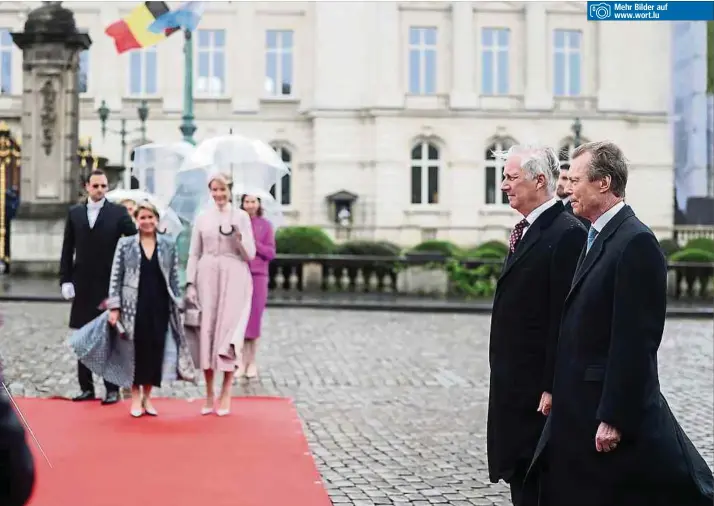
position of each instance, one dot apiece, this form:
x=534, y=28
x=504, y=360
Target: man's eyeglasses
x=95, y=186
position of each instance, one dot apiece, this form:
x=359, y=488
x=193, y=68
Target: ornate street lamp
x=143, y=113
x=577, y=129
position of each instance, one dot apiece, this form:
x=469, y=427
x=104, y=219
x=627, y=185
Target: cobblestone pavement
x=394, y=405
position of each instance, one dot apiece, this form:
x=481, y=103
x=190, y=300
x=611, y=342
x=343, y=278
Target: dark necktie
x=517, y=234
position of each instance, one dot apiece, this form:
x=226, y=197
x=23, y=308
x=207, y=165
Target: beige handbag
x=192, y=330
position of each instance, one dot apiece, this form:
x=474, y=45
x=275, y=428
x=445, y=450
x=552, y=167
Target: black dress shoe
x=84, y=396
x=111, y=398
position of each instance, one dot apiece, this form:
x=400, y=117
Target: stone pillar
x=50, y=44
x=538, y=95
x=463, y=92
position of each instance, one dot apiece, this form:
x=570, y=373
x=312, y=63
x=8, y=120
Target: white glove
x=68, y=291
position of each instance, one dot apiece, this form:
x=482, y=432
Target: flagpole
x=188, y=126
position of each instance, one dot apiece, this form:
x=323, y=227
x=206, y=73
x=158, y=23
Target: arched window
x=494, y=171
x=425, y=173
x=281, y=190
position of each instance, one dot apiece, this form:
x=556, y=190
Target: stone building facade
x=398, y=103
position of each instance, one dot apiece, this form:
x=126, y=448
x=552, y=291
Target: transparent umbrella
x=169, y=222
x=155, y=166
x=272, y=211
x=249, y=162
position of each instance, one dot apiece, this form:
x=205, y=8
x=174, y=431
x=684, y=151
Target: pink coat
x=264, y=246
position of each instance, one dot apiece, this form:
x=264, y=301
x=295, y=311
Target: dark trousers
x=86, y=381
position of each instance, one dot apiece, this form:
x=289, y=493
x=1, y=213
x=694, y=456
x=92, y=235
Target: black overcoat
x=524, y=331
x=606, y=371
x=87, y=255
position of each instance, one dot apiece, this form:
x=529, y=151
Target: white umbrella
x=250, y=163
x=169, y=222
x=155, y=166
x=272, y=210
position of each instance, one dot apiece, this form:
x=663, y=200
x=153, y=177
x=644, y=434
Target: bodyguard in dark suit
x=525, y=321
x=611, y=439
x=91, y=234
x=563, y=194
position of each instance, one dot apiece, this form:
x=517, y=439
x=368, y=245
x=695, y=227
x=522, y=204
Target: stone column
x=538, y=96
x=51, y=45
x=463, y=91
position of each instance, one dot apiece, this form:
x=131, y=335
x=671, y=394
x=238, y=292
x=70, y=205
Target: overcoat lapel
x=83, y=218
x=589, y=259
x=103, y=211
x=531, y=238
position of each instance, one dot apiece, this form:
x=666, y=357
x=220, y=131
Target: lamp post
x=577, y=128
x=188, y=126
x=143, y=113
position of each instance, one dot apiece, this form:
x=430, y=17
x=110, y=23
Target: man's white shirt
x=93, y=209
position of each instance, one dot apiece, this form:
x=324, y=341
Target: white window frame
x=280, y=51
x=423, y=162
x=423, y=48
x=212, y=49
x=279, y=184
x=567, y=50
x=495, y=71
x=499, y=144
x=141, y=54
x=6, y=88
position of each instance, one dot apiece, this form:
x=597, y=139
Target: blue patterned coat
x=113, y=359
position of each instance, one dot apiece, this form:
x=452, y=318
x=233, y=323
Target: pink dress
x=265, y=252
x=218, y=268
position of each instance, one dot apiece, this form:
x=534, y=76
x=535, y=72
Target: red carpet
x=257, y=456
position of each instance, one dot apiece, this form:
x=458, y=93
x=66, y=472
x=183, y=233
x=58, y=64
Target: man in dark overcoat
x=91, y=233
x=525, y=321
x=611, y=439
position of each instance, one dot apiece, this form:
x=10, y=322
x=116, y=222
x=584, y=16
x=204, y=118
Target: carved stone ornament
x=48, y=115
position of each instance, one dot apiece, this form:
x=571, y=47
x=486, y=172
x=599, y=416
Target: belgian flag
x=132, y=32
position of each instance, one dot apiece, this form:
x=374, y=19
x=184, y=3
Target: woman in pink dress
x=265, y=252
x=219, y=283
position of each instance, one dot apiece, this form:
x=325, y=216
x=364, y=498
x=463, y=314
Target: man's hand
x=546, y=402
x=607, y=438
x=113, y=317
x=68, y=291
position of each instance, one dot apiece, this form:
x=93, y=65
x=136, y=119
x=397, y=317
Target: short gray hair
x=607, y=160
x=536, y=160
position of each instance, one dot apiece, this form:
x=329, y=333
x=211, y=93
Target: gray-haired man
x=525, y=322
x=611, y=438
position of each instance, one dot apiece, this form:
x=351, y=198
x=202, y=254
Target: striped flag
x=132, y=32
x=186, y=17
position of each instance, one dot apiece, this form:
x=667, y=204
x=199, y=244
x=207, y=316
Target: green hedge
x=368, y=248
x=434, y=246
x=700, y=243
x=692, y=255
x=303, y=241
